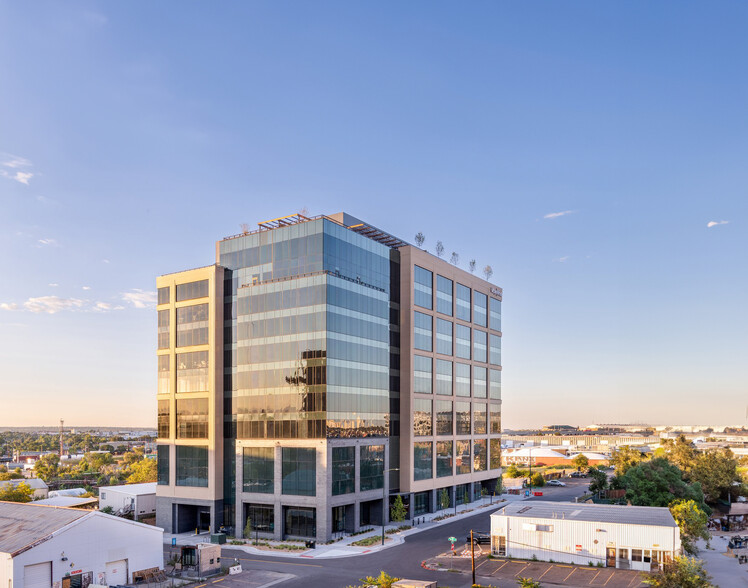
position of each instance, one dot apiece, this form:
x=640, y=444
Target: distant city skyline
x=600, y=153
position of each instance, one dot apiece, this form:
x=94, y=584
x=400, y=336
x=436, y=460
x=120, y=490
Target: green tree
x=383, y=580
x=658, y=483
x=248, y=529
x=681, y=453
x=96, y=461
x=715, y=470
x=47, y=467
x=398, y=512
x=512, y=472
x=19, y=493
x=443, y=499
x=465, y=497
x=580, y=461
x=624, y=458
x=599, y=480
x=143, y=471
x=528, y=583
x=692, y=522
x=537, y=480
x=682, y=572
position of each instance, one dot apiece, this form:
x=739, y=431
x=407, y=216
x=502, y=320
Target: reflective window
x=300, y=521
x=192, y=325
x=443, y=337
x=443, y=295
x=480, y=455
x=480, y=307
x=462, y=379
x=164, y=375
x=163, y=295
x=462, y=457
x=192, y=466
x=422, y=417
x=462, y=418
x=343, y=470
x=163, y=419
x=422, y=332
x=479, y=382
x=495, y=350
x=479, y=346
x=444, y=460
x=494, y=454
x=163, y=329
x=258, y=470
x=192, y=372
x=422, y=374
x=462, y=341
x=444, y=417
x=495, y=314
x=421, y=502
x=423, y=284
x=495, y=417
x=444, y=377
x=261, y=517
x=372, y=467
x=422, y=461
x=192, y=290
x=479, y=418
x=163, y=465
x=463, y=303
x=299, y=467
x=495, y=385
x=192, y=418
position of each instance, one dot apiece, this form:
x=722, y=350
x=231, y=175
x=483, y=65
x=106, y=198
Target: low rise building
x=41, y=490
x=136, y=499
x=627, y=537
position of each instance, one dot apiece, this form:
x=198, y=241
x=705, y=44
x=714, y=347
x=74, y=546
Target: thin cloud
x=711, y=224
x=53, y=285
x=49, y=242
x=55, y=304
x=86, y=287
x=558, y=214
x=16, y=164
x=561, y=259
x=8, y=306
x=140, y=298
x=104, y=261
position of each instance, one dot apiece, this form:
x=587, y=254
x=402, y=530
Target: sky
x=593, y=153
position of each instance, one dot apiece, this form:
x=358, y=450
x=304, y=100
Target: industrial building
x=318, y=369
x=627, y=537
x=52, y=547
x=40, y=489
x=136, y=500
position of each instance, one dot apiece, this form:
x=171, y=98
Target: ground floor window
x=300, y=521
x=498, y=545
x=261, y=516
x=338, y=519
x=421, y=503
x=462, y=493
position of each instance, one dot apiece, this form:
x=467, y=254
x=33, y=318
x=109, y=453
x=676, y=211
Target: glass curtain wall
x=343, y=470
x=372, y=467
x=257, y=467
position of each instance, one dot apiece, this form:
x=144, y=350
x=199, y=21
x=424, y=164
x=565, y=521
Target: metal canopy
x=379, y=236
x=284, y=221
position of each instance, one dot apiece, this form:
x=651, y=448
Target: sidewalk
x=343, y=547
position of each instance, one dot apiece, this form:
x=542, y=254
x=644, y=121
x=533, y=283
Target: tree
x=398, y=512
x=580, y=461
x=439, y=249
x=692, y=522
x=146, y=470
x=537, y=480
x=681, y=453
x=18, y=493
x=47, y=467
x=383, y=580
x=443, y=499
x=512, y=471
x=107, y=510
x=658, y=483
x=471, y=266
x=465, y=497
x=488, y=272
x=248, y=529
x=682, y=572
x=599, y=481
x=715, y=470
x=420, y=238
x=455, y=259
x=528, y=583
x=624, y=458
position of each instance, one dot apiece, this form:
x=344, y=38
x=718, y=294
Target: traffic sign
x=452, y=539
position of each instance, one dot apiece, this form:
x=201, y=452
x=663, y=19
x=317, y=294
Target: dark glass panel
x=258, y=469
x=480, y=308
x=423, y=287
x=372, y=467
x=343, y=470
x=163, y=465
x=299, y=467
x=192, y=418
x=192, y=290
x=444, y=459
x=443, y=295
x=192, y=466
x=422, y=461
x=463, y=299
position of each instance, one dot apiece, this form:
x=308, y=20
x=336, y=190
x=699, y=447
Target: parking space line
x=501, y=566
x=634, y=579
x=522, y=570
x=596, y=575
x=201, y=586
x=562, y=566
x=609, y=577
x=570, y=573
x=216, y=581
x=481, y=563
x=545, y=572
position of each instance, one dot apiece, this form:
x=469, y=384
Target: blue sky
x=581, y=148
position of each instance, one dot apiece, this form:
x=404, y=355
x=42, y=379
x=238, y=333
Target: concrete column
x=432, y=501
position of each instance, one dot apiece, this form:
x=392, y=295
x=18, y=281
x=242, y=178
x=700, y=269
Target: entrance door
x=610, y=557
x=116, y=572
x=38, y=575
x=204, y=522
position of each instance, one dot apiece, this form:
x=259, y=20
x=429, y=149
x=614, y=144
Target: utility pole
x=472, y=554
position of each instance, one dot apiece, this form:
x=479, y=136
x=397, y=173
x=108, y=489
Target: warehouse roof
x=603, y=513
x=25, y=524
x=134, y=489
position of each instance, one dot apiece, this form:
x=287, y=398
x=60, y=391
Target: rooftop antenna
x=62, y=428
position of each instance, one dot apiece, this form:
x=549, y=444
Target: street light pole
x=384, y=498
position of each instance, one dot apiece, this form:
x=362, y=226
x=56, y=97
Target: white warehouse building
x=626, y=537
x=54, y=547
x=136, y=499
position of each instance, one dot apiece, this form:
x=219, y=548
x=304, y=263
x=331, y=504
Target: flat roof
x=653, y=516
x=69, y=501
x=24, y=524
x=138, y=489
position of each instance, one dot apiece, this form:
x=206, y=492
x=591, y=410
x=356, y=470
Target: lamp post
x=384, y=497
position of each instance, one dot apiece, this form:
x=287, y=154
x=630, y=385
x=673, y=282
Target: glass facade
x=462, y=418
x=343, y=470
x=261, y=517
x=443, y=337
x=192, y=372
x=299, y=471
x=495, y=417
x=192, y=325
x=423, y=287
x=422, y=374
x=443, y=295
x=480, y=308
x=495, y=385
x=163, y=329
x=444, y=460
x=163, y=419
x=372, y=467
x=192, y=418
x=444, y=377
x=463, y=300
x=192, y=466
x=495, y=357
x=300, y=521
x=479, y=382
x=257, y=469
x=422, y=417
x=163, y=295
x=495, y=314
x=462, y=457
x=480, y=418
x=494, y=454
x=480, y=455
x=162, y=467
x=423, y=331
x=422, y=461
x=192, y=290
x=479, y=346
x=421, y=503
x=164, y=375
x=462, y=379
x=444, y=417
x=462, y=341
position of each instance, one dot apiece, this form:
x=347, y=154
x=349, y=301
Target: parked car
x=479, y=539
x=578, y=475
x=555, y=483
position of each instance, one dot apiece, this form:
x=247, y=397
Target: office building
x=317, y=370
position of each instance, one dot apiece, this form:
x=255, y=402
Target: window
x=495, y=350
x=299, y=469
x=636, y=555
x=192, y=466
x=261, y=517
x=343, y=470
x=479, y=381
x=192, y=372
x=163, y=419
x=444, y=417
x=162, y=468
x=258, y=470
x=479, y=346
x=495, y=385
x=422, y=374
x=462, y=418
x=422, y=417
x=372, y=467
x=192, y=325
x=462, y=379
x=462, y=458
x=423, y=283
x=422, y=461
x=164, y=375
x=163, y=295
x=443, y=337
x=443, y=295
x=421, y=503
x=479, y=418
x=423, y=332
x=480, y=455
x=192, y=418
x=163, y=329
x=463, y=303
x=495, y=416
x=480, y=305
x=443, y=458
x=444, y=377
x=462, y=341
x=300, y=521
x=494, y=454
x=192, y=290
x=495, y=314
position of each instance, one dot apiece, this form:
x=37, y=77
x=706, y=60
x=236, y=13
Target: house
x=41, y=490
x=136, y=499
